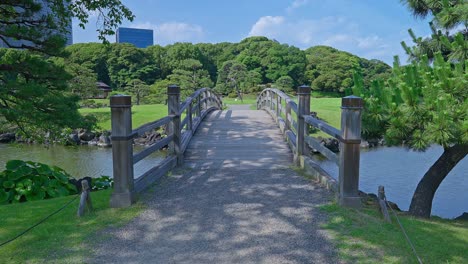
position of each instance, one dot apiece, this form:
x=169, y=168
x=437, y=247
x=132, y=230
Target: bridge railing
x=294, y=121
x=178, y=135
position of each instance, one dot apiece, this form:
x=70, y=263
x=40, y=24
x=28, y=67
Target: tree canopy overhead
x=42, y=25
x=36, y=89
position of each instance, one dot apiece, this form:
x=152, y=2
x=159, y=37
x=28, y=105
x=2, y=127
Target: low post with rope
x=85, y=200
x=382, y=204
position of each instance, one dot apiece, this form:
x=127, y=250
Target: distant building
x=46, y=9
x=141, y=38
x=104, y=90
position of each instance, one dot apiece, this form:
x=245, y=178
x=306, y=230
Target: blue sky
x=368, y=28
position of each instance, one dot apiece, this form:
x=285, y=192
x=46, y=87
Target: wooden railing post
x=272, y=104
x=288, y=115
x=278, y=108
x=173, y=103
x=122, y=151
x=199, y=106
x=303, y=94
x=190, y=117
x=204, y=101
x=351, y=107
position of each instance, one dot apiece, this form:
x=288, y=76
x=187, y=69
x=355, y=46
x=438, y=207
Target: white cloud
x=370, y=42
x=338, y=40
x=337, y=32
x=270, y=26
x=296, y=4
x=303, y=32
x=171, y=32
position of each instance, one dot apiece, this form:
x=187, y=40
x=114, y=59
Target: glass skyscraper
x=141, y=38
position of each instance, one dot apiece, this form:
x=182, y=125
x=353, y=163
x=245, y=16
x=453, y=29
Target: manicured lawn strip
x=328, y=109
x=363, y=237
x=250, y=99
x=64, y=236
x=141, y=114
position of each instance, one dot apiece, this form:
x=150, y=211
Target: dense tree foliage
x=257, y=60
x=447, y=16
x=38, y=92
x=425, y=102
x=331, y=70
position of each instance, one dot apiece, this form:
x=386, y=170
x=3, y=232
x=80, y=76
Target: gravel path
x=234, y=201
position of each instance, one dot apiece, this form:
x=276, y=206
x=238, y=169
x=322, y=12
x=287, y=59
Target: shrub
x=28, y=181
x=232, y=95
x=87, y=103
x=101, y=183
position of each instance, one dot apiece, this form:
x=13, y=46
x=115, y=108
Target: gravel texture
x=216, y=210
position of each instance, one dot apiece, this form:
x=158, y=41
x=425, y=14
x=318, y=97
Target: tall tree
x=285, y=84
x=138, y=88
x=35, y=92
x=190, y=76
x=44, y=31
x=423, y=103
x=230, y=77
x=447, y=16
x=92, y=56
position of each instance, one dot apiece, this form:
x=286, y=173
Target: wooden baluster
x=190, y=117
x=288, y=116
x=173, y=99
x=123, y=194
x=351, y=107
x=303, y=93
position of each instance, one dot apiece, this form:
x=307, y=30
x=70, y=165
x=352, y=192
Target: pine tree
x=35, y=94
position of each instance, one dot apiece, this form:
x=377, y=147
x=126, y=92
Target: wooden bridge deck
x=236, y=200
x=239, y=139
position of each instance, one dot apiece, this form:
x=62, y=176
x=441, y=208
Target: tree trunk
x=421, y=203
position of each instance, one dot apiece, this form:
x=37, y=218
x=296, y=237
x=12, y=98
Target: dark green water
x=79, y=161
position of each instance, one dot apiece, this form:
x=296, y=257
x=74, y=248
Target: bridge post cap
x=173, y=89
x=352, y=102
x=303, y=89
x=120, y=100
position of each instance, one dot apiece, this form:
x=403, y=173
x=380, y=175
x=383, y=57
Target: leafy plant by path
x=102, y=183
x=29, y=181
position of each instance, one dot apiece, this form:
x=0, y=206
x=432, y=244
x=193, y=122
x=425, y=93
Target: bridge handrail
x=296, y=131
x=179, y=134
x=141, y=130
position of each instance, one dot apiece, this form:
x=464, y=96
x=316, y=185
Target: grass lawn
x=63, y=237
x=141, y=114
x=250, y=99
x=328, y=109
x=363, y=237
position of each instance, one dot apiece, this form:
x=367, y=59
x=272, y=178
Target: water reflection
x=400, y=169
x=80, y=161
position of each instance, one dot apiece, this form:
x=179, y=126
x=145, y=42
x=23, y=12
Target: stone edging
x=320, y=175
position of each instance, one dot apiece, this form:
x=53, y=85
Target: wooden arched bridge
x=204, y=136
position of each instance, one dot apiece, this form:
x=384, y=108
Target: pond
x=396, y=168
x=400, y=169
x=79, y=161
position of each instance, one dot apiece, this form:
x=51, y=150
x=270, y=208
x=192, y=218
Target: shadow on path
x=210, y=212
